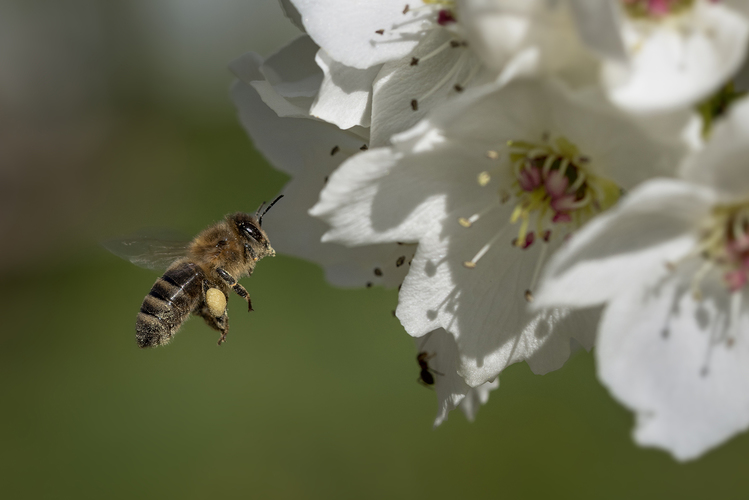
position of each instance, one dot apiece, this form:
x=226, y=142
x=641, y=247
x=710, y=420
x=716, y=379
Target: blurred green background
x=114, y=115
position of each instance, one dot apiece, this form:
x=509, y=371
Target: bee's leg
x=220, y=323
x=238, y=289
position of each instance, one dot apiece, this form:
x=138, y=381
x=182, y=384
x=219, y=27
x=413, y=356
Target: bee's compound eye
x=253, y=233
x=216, y=301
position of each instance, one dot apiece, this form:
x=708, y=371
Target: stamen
x=698, y=278
x=471, y=75
x=472, y=263
x=445, y=78
x=537, y=270
x=735, y=317
x=484, y=178
x=434, y=52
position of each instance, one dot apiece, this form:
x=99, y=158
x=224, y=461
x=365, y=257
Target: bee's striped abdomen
x=170, y=301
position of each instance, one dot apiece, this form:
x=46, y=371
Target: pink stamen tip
x=658, y=7
x=561, y=217
x=556, y=184
x=445, y=17
x=735, y=280
x=530, y=178
x=529, y=239
x=564, y=203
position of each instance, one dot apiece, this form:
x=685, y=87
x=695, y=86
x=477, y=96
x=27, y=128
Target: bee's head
x=250, y=231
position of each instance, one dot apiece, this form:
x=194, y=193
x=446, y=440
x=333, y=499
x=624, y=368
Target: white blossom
x=653, y=56
x=671, y=264
x=488, y=186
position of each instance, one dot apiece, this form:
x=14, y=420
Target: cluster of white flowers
x=532, y=175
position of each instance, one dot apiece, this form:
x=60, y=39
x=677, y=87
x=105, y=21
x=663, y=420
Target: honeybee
x=199, y=275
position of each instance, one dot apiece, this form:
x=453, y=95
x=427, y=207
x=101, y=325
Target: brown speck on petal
x=400, y=261
x=406, y=9
x=380, y=32
x=454, y=43
x=529, y=296
x=364, y=147
x=369, y=284
x=334, y=150
x=458, y=87
x=414, y=61
x=414, y=104
x=378, y=271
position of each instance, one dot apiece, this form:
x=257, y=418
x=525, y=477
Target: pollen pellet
x=216, y=301
x=484, y=179
x=464, y=222
x=469, y=264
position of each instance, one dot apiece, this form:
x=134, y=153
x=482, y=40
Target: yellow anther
x=469, y=264
x=484, y=178
x=464, y=222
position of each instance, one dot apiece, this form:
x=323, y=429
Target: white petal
x=672, y=65
x=652, y=226
x=287, y=81
x=345, y=97
x=499, y=30
x=347, y=29
x=722, y=163
x=598, y=24
x=428, y=83
x=381, y=196
x=484, y=308
x=665, y=356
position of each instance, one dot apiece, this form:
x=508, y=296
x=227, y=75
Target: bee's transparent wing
x=153, y=248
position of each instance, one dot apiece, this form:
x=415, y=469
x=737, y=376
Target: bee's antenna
x=260, y=219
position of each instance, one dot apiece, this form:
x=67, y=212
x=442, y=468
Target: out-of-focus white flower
x=489, y=185
x=308, y=150
x=438, y=355
x=672, y=265
x=679, y=52
x=500, y=30
x=654, y=56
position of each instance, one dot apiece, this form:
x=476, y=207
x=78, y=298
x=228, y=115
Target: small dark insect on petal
x=414, y=61
x=378, y=271
x=364, y=147
x=414, y=104
x=334, y=150
x=380, y=32
x=400, y=261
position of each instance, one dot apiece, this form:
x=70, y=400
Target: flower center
x=655, y=9
x=724, y=243
x=554, y=189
